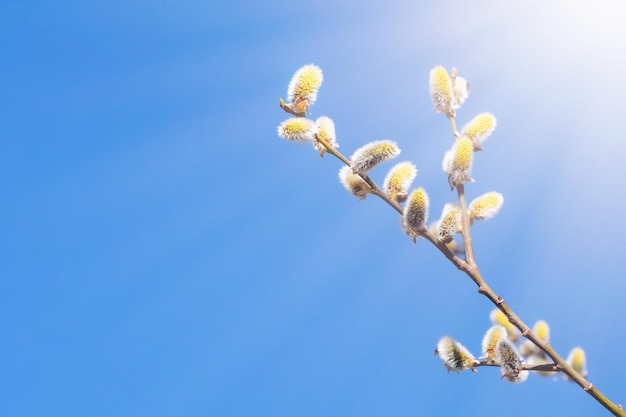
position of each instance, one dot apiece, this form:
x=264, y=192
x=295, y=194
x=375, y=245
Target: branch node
x=588, y=387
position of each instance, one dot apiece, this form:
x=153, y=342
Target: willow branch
x=471, y=270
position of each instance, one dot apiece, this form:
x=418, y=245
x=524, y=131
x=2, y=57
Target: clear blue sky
x=164, y=253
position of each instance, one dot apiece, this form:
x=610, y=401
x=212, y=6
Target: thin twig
x=465, y=227
x=544, y=367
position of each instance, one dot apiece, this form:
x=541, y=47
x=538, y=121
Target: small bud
x=297, y=129
x=455, y=356
x=577, y=360
x=486, y=206
x=399, y=180
x=457, y=162
x=461, y=91
x=368, y=156
x=353, y=183
x=491, y=338
x=416, y=213
x=480, y=128
x=325, y=131
x=510, y=361
x=450, y=223
x=498, y=317
x=302, y=90
x=441, y=89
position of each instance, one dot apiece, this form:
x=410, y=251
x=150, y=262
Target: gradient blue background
x=164, y=253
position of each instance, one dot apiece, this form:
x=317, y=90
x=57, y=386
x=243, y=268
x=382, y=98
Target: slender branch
x=471, y=270
x=465, y=226
x=544, y=367
x=452, y=124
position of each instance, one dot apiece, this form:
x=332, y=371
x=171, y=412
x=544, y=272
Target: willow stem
x=465, y=230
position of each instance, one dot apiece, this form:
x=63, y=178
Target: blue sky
x=166, y=254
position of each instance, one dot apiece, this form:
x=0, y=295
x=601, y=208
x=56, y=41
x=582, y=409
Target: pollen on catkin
x=485, y=206
x=368, y=156
x=297, y=129
x=399, y=180
x=303, y=87
x=457, y=162
x=577, y=360
x=510, y=361
x=326, y=131
x=480, y=128
x=441, y=90
x=415, y=213
x=455, y=356
x=497, y=317
x=353, y=183
x=450, y=223
x=491, y=338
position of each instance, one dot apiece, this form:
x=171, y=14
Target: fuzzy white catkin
x=368, y=156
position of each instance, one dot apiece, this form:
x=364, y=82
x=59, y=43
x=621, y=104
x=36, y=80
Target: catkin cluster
x=448, y=94
x=502, y=347
x=501, y=344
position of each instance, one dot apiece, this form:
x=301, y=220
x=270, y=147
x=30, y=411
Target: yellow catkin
x=498, y=317
x=491, y=338
x=415, y=213
x=480, y=127
x=440, y=89
x=399, y=179
x=297, y=129
x=485, y=206
x=368, y=156
x=325, y=132
x=457, y=162
x=353, y=183
x=464, y=150
x=454, y=355
x=304, y=85
x=577, y=360
x=449, y=223
x=542, y=330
